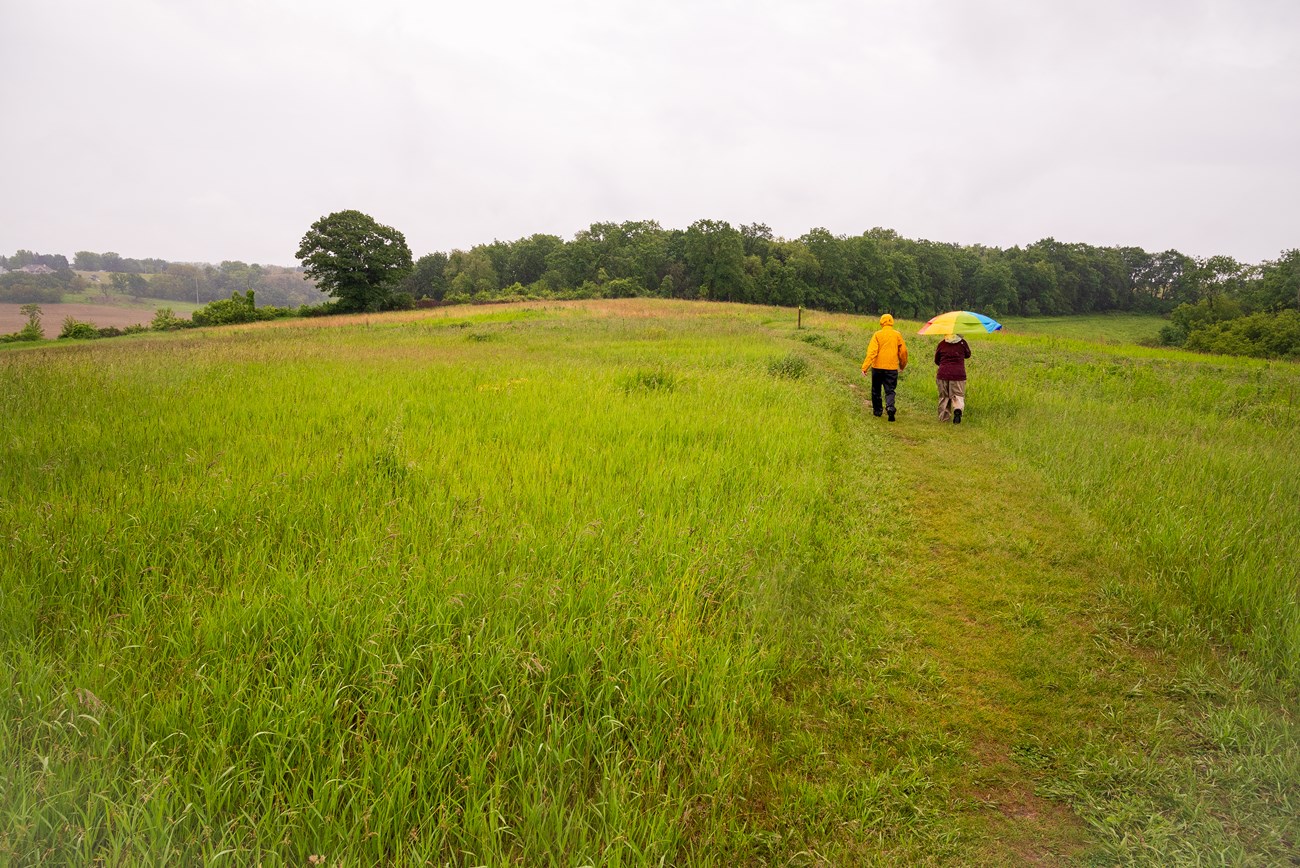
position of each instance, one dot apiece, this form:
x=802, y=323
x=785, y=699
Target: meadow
x=1107, y=328
x=641, y=582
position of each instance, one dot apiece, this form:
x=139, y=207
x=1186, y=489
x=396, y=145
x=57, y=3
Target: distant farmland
x=102, y=315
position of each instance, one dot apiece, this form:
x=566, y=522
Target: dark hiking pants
x=889, y=381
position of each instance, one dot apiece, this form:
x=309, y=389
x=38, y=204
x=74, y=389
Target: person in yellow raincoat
x=886, y=356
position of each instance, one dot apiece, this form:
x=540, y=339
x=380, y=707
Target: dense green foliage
x=355, y=259
x=1263, y=335
x=875, y=271
x=241, y=307
x=76, y=330
x=1249, y=313
x=23, y=287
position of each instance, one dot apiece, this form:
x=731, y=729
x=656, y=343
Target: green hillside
x=643, y=582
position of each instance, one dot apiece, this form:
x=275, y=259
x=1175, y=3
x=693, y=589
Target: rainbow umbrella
x=960, y=322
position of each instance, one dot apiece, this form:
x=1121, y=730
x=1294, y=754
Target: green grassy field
x=642, y=582
x=1106, y=328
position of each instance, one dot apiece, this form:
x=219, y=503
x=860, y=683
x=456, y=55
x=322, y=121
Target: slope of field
x=640, y=583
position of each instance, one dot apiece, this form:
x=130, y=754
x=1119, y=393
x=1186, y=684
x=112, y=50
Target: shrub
x=135, y=329
x=1263, y=335
x=623, y=287
x=165, y=320
x=77, y=330
x=1187, y=318
x=323, y=309
x=400, y=301
x=226, y=311
x=33, y=331
x=109, y=332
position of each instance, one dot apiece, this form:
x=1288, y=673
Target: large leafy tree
x=355, y=259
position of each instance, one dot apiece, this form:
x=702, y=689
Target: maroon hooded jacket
x=951, y=359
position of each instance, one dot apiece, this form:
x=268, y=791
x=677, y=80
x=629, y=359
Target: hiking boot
x=891, y=415
x=875, y=413
x=956, y=417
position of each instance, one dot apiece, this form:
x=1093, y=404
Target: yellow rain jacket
x=887, y=351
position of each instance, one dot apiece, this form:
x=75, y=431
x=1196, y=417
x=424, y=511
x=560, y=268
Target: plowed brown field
x=52, y=316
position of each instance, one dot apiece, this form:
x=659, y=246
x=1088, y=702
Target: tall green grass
x=461, y=591
x=1188, y=461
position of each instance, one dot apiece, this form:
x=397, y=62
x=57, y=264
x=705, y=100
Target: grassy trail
x=1068, y=738
x=977, y=604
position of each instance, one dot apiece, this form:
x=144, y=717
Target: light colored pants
x=952, y=396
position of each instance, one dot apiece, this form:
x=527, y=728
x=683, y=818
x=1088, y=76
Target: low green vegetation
x=638, y=583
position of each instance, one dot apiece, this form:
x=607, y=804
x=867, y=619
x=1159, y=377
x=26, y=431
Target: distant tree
x=33, y=330
x=1279, y=283
x=84, y=260
x=995, y=287
x=136, y=286
x=528, y=258
x=111, y=262
x=715, y=255
x=355, y=259
x=471, y=273
x=428, y=279
x=757, y=239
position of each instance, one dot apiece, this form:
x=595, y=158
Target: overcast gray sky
x=221, y=130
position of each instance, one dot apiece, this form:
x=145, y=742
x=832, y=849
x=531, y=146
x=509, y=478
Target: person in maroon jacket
x=951, y=356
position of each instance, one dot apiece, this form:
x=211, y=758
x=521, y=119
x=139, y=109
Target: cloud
x=222, y=130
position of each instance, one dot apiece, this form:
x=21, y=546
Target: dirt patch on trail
x=53, y=315
x=1036, y=830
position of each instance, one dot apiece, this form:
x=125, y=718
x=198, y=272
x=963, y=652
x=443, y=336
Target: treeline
x=274, y=285
x=875, y=271
x=85, y=260
x=24, y=258
x=21, y=287
x=151, y=278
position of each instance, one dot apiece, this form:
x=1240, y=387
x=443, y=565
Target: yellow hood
x=886, y=319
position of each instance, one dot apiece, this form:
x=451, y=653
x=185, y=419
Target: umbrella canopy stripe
x=960, y=322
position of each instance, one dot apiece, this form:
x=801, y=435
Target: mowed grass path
x=586, y=584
